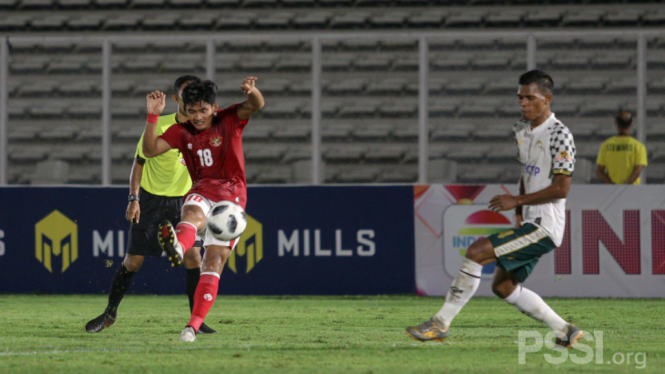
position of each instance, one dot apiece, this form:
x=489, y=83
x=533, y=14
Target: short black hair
x=624, y=119
x=203, y=91
x=184, y=79
x=539, y=77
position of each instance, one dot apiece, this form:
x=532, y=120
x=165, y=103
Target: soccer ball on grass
x=226, y=221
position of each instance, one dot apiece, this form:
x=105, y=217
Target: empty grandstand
x=351, y=72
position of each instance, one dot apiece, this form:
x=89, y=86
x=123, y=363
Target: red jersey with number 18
x=214, y=156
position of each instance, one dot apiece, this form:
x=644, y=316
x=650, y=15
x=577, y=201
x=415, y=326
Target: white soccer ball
x=226, y=221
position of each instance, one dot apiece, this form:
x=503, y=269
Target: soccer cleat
x=188, y=334
x=169, y=242
x=573, y=335
x=100, y=323
x=205, y=329
x=429, y=330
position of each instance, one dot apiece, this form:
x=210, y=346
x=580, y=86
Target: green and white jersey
x=545, y=151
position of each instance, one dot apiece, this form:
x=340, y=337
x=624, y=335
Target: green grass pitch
x=45, y=334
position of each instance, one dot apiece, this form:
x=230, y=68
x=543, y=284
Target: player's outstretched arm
x=254, y=100
x=557, y=190
x=152, y=145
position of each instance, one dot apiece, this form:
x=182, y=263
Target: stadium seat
x=479, y=173
x=511, y=173
x=50, y=172
x=353, y=20
x=111, y=3
x=570, y=61
x=294, y=131
x=23, y=131
x=336, y=130
x=478, y=108
x=394, y=19
x=468, y=152
x=275, y=174
x=582, y=18
x=346, y=87
x=282, y=108
x=85, y=174
x=399, y=109
x=386, y=153
x=328, y=108
x=300, y=62
x=257, y=62
x=50, y=22
x=75, y=153
x=29, y=152
x=582, y=129
x=338, y=61
x=364, y=108
x=566, y=105
x=343, y=152
x=297, y=153
x=587, y=84
x=398, y=174
x=407, y=131
x=614, y=60
x=442, y=171
x=504, y=86
x=588, y=150
x=66, y=132
x=499, y=130
x=542, y=18
x=584, y=170
x=455, y=61
x=28, y=64
x=442, y=131
x=607, y=106
x=491, y=61
x=358, y=174
x=654, y=18
x=123, y=22
x=428, y=19
x=627, y=85
x=408, y=62
x=505, y=18
x=264, y=152
x=624, y=17
x=203, y=22
x=70, y=64
x=387, y=86
x=466, y=85
x=43, y=87
x=54, y=109
x=468, y=18
x=373, y=62
x=369, y=131
x=311, y=20
x=36, y=4
x=274, y=20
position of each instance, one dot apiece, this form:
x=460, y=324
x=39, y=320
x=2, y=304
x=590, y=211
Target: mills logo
x=464, y=225
x=56, y=235
x=250, y=246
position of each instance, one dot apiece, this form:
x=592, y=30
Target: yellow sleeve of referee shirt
x=166, y=174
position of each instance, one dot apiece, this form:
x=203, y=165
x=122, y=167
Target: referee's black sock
x=122, y=280
x=193, y=276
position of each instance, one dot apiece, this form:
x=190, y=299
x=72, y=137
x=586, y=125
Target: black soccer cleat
x=169, y=242
x=205, y=329
x=574, y=334
x=100, y=323
x=430, y=330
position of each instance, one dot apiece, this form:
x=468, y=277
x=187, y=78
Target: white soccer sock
x=463, y=287
x=529, y=303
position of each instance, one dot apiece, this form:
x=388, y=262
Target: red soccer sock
x=186, y=235
x=204, y=297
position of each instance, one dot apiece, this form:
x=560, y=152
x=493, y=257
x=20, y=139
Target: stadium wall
x=614, y=242
x=300, y=240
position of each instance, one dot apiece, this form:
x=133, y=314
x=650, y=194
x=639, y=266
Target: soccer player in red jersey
x=211, y=144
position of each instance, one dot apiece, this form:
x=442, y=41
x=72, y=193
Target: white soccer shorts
x=206, y=205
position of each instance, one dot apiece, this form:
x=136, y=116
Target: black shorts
x=143, y=240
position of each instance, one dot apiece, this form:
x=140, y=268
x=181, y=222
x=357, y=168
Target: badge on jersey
x=216, y=142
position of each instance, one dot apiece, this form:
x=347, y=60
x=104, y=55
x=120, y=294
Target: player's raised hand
x=248, y=85
x=156, y=102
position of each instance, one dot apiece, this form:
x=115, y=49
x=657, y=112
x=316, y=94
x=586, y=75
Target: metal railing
x=315, y=39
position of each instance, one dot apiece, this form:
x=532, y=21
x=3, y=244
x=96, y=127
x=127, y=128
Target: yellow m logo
x=56, y=235
x=250, y=244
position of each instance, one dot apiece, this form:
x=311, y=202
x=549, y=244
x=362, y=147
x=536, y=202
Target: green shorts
x=518, y=250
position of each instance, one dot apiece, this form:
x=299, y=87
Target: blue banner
x=299, y=240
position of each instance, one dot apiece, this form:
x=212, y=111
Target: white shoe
x=188, y=334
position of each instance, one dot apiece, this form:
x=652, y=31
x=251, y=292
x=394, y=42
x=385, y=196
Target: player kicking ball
x=211, y=144
x=547, y=153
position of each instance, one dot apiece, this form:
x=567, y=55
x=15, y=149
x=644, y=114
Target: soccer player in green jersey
x=156, y=188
